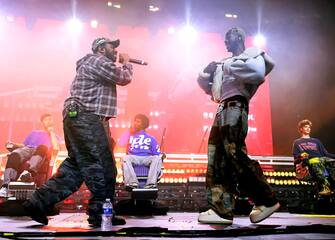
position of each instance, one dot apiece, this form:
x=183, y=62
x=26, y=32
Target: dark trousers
x=90, y=160
x=230, y=170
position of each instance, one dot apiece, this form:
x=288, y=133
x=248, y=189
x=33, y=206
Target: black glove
x=211, y=68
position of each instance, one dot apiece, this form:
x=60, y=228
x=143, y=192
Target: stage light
x=230, y=15
x=94, y=23
x=211, y=115
x=204, y=128
x=117, y=5
x=188, y=35
x=74, y=25
x=205, y=115
x=259, y=40
x=153, y=8
x=171, y=30
x=109, y=4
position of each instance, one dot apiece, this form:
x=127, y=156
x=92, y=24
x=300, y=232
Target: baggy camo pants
x=323, y=171
x=230, y=170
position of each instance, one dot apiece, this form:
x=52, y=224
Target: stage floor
x=182, y=225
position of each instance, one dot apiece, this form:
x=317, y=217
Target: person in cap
x=231, y=83
x=90, y=160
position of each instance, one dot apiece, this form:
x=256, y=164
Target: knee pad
x=41, y=150
x=14, y=161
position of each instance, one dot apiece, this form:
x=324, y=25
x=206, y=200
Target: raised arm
x=54, y=140
x=117, y=75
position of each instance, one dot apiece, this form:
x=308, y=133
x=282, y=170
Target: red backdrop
x=37, y=65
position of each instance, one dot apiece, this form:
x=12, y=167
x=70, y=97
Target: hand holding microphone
x=124, y=58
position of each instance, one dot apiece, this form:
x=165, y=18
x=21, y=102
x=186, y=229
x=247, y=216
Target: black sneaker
x=35, y=213
x=130, y=187
x=94, y=224
x=118, y=221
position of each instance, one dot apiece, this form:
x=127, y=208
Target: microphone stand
x=162, y=144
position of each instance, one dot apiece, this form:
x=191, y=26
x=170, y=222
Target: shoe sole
x=215, y=222
x=276, y=207
x=326, y=194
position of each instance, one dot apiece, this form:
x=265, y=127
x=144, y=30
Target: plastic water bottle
x=107, y=215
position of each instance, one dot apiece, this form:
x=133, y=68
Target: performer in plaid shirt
x=91, y=104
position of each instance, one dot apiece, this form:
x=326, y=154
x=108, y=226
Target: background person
x=142, y=149
x=27, y=158
x=310, y=152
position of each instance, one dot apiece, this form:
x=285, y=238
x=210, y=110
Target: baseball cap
x=97, y=42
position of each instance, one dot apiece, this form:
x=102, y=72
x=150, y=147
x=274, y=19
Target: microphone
x=136, y=61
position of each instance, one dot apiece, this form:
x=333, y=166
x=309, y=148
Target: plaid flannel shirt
x=94, y=86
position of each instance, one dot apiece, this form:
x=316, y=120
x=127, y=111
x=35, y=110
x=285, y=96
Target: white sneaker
x=4, y=193
x=25, y=176
x=259, y=213
x=211, y=217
